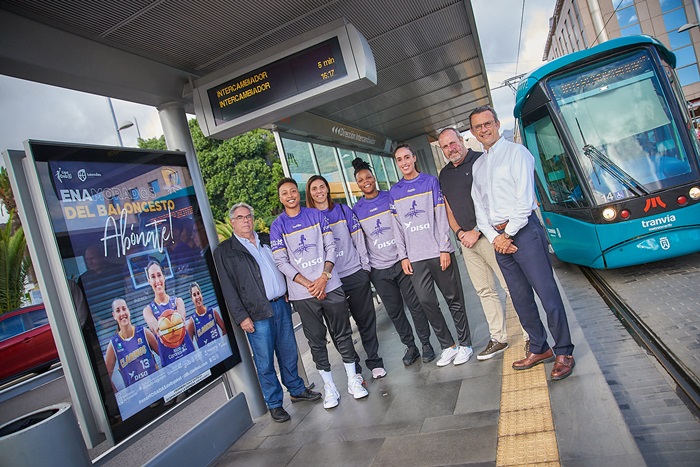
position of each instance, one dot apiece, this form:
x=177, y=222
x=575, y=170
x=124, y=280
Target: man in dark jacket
x=255, y=294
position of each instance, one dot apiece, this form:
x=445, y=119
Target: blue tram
x=616, y=155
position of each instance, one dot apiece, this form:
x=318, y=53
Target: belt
x=501, y=226
x=275, y=299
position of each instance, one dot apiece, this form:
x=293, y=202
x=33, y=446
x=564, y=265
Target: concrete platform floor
x=423, y=415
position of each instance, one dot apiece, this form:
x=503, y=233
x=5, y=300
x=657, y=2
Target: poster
x=139, y=267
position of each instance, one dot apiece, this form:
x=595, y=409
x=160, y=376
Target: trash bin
x=50, y=436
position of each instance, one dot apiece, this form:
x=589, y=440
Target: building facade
x=581, y=24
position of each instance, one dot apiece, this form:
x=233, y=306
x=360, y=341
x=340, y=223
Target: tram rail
x=685, y=379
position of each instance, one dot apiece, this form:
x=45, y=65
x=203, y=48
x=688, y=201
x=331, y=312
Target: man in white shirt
x=504, y=201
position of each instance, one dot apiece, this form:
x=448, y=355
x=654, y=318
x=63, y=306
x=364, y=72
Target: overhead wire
x=606, y=23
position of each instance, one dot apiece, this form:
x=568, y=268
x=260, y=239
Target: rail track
x=687, y=382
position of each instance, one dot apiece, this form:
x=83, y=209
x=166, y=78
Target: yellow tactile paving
x=526, y=434
x=523, y=400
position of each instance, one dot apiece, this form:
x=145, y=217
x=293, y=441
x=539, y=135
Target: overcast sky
x=36, y=111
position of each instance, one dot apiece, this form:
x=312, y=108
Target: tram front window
x=619, y=119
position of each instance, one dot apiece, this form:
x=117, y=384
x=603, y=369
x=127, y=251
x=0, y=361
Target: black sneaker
x=279, y=415
x=307, y=396
x=428, y=353
x=411, y=355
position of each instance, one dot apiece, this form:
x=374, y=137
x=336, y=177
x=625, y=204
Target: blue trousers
x=531, y=268
x=272, y=336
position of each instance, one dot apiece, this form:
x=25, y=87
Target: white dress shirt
x=504, y=188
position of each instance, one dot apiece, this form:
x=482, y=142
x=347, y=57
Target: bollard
x=50, y=436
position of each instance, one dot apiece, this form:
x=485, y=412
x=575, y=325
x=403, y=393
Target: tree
x=244, y=168
x=14, y=265
x=7, y=199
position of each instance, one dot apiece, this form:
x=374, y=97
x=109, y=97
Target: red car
x=26, y=342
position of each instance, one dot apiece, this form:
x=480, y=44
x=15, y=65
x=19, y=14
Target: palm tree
x=14, y=265
x=7, y=200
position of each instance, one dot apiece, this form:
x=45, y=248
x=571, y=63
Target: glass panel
x=624, y=3
x=391, y=169
x=627, y=17
x=552, y=167
x=631, y=31
x=379, y=172
x=622, y=153
x=684, y=56
x=300, y=162
x=674, y=19
x=688, y=75
x=679, y=39
x=667, y=5
x=346, y=157
x=329, y=168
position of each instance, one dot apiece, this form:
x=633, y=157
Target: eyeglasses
x=240, y=218
x=483, y=126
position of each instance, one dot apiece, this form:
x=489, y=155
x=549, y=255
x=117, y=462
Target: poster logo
x=82, y=175
x=63, y=175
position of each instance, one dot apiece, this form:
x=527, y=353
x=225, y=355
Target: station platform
x=478, y=413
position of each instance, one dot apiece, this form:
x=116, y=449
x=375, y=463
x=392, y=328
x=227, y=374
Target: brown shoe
x=533, y=359
x=563, y=366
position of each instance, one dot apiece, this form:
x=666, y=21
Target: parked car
x=26, y=342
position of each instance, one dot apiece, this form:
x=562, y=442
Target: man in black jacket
x=255, y=294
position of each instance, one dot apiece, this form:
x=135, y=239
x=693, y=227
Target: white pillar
x=178, y=138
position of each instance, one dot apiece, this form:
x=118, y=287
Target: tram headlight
x=695, y=193
x=625, y=214
x=682, y=200
x=609, y=214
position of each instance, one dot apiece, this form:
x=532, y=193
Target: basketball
x=171, y=329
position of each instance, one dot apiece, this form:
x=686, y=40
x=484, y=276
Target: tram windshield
x=627, y=143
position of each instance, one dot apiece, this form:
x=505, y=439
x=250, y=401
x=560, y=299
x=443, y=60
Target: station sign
x=135, y=258
x=322, y=66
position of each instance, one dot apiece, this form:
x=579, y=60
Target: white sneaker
x=356, y=388
x=448, y=355
x=378, y=373
x=463, y=355
x=331, y=397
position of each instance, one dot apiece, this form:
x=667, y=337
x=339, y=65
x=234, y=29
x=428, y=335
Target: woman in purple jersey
x=393, y=286
x=203, y=325
x=352, y=266
x=422, y=237
x=162, y=303
x=131, y=348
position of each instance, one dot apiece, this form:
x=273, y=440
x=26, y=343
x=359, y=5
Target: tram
x=616, y=154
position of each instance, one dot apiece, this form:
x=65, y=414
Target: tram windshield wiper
x=598, y=157
x=614, y=170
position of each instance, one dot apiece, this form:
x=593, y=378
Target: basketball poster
x=139, y=267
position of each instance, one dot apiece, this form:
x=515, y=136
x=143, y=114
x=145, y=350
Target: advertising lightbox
x=139, y=267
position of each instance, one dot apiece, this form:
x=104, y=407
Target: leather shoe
x=533, y=359
x=563, y=367
x=279, y=415
x=307, y=396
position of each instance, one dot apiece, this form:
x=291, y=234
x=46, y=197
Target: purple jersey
x=205, y=329
x=350, y=248
x=420, y=218
x=377, y=223
x=167, y=354
x=134, y=357
x=301, y=245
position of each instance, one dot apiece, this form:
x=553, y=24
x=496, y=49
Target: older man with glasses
x=256, y=296
x=503, y=191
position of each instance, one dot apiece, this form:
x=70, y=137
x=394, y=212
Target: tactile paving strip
x=525, y=427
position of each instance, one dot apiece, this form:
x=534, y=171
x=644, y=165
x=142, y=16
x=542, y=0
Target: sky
x=77, y=117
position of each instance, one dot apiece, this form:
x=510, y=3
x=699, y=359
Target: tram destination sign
x=329, y=65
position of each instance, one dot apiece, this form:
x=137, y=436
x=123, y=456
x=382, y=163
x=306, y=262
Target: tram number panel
x=291, y=75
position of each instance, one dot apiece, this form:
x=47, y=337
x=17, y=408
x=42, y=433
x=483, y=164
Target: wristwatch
x=327, y=274
x=506, y=236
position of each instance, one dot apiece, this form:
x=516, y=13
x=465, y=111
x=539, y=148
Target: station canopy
x=429, y=64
